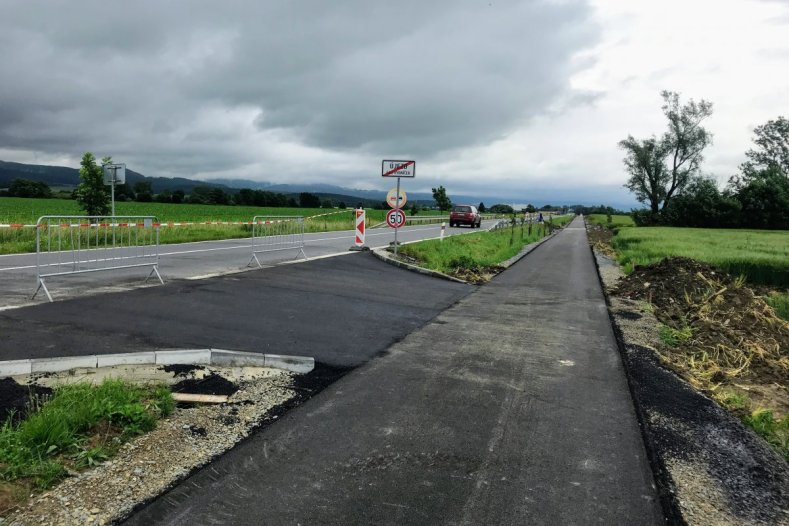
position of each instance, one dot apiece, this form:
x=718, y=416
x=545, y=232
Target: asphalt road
x=190, y=261
x=342, y=311
x=510, y=407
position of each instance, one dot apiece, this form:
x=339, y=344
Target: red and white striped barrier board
x=359, y=241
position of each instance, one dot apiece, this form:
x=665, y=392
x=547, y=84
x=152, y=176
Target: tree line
x=94, y=196
x=665, y=174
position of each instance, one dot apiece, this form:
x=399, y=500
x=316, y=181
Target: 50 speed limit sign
x=395, y=218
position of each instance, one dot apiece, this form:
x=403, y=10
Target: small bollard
x=443, y=228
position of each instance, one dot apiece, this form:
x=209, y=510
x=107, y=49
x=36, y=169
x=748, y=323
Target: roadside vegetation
x=79, y=426
x=611, y=220
x=474, y=257
x=762, y=256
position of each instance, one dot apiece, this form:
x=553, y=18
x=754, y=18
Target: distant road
x=193, y=261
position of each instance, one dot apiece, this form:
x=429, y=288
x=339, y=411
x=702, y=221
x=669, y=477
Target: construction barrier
x=67, y=245
x=276, y=233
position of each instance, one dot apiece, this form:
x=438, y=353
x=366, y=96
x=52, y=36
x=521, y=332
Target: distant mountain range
x=60, y=176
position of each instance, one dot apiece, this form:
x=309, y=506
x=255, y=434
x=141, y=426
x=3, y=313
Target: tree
x=501, y=209
x=530, y=208
x=661, y=168
x=91, y=194
x=442, y=201
x=481, y=208
x=308, y=200
x=143, y=191
x=772, y=140
x=764, y=198
x=26, y=188
x=327, y=203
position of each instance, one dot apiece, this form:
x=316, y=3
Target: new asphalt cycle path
x=509, y=407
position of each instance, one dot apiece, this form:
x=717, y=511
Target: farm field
x=762, y=256
x=27, y=211
x=616, y=220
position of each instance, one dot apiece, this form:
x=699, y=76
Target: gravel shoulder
x=710, y=469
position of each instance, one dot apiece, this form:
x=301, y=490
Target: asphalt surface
x=342, y=311
x=189, y=261
x=511, y=407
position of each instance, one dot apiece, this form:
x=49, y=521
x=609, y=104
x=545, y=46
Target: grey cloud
x=133, y=79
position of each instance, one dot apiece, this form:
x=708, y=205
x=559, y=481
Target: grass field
x=762, y=256
x=27, y=211
x=616, y=221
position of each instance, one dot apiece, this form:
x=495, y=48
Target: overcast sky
x=491, y=98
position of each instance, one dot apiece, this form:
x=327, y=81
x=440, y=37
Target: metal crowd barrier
x=67, y=245
x=276, y=233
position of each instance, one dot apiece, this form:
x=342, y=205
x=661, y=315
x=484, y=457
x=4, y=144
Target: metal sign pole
x=114, y=174
x=397, y=207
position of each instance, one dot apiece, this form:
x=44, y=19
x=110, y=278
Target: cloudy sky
x=492, y=98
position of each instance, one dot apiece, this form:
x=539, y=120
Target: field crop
x=617, y=221
x=762, y=256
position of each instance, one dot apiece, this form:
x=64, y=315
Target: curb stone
x=296, y=364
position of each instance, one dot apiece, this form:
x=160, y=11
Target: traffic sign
x=395, y=218
x=392, y=200
x=398, y=168
x=114, y=174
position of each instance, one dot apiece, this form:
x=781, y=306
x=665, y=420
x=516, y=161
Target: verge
x=709, y=468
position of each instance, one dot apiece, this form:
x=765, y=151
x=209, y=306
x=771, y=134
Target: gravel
x=188, y=439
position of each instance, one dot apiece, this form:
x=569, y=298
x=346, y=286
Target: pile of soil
x=727, y=334
x=212, y=384
x=16, y=400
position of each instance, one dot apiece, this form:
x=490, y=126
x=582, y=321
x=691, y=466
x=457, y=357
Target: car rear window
x=462, y=209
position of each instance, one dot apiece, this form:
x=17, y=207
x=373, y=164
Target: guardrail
x=276, y=233
x=67, y=245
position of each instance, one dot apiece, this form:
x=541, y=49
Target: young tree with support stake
x=661, y=168
x=91, y=194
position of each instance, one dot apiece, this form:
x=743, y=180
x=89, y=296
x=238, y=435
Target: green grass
x=774, y=430
x=779, y=301
x=471, y=252
x=762, y=256
x=81, y=425
x=617, y=221
x=674, y=337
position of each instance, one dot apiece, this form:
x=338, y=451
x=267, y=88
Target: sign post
x=114, y=174
x=389, y=168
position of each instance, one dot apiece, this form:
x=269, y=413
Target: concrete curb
x=383, y=255
x=219, y=357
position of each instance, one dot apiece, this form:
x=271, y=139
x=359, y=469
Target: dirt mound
x=213, y=384
x=716, y=330
x=16, y=399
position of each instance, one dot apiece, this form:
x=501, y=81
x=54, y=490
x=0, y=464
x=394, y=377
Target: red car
x=465, y=215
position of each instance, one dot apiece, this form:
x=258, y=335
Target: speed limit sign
x=395, y=218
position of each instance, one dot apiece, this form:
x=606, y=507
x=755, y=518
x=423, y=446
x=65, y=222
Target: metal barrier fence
x=68, y=245
x=276, y=233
